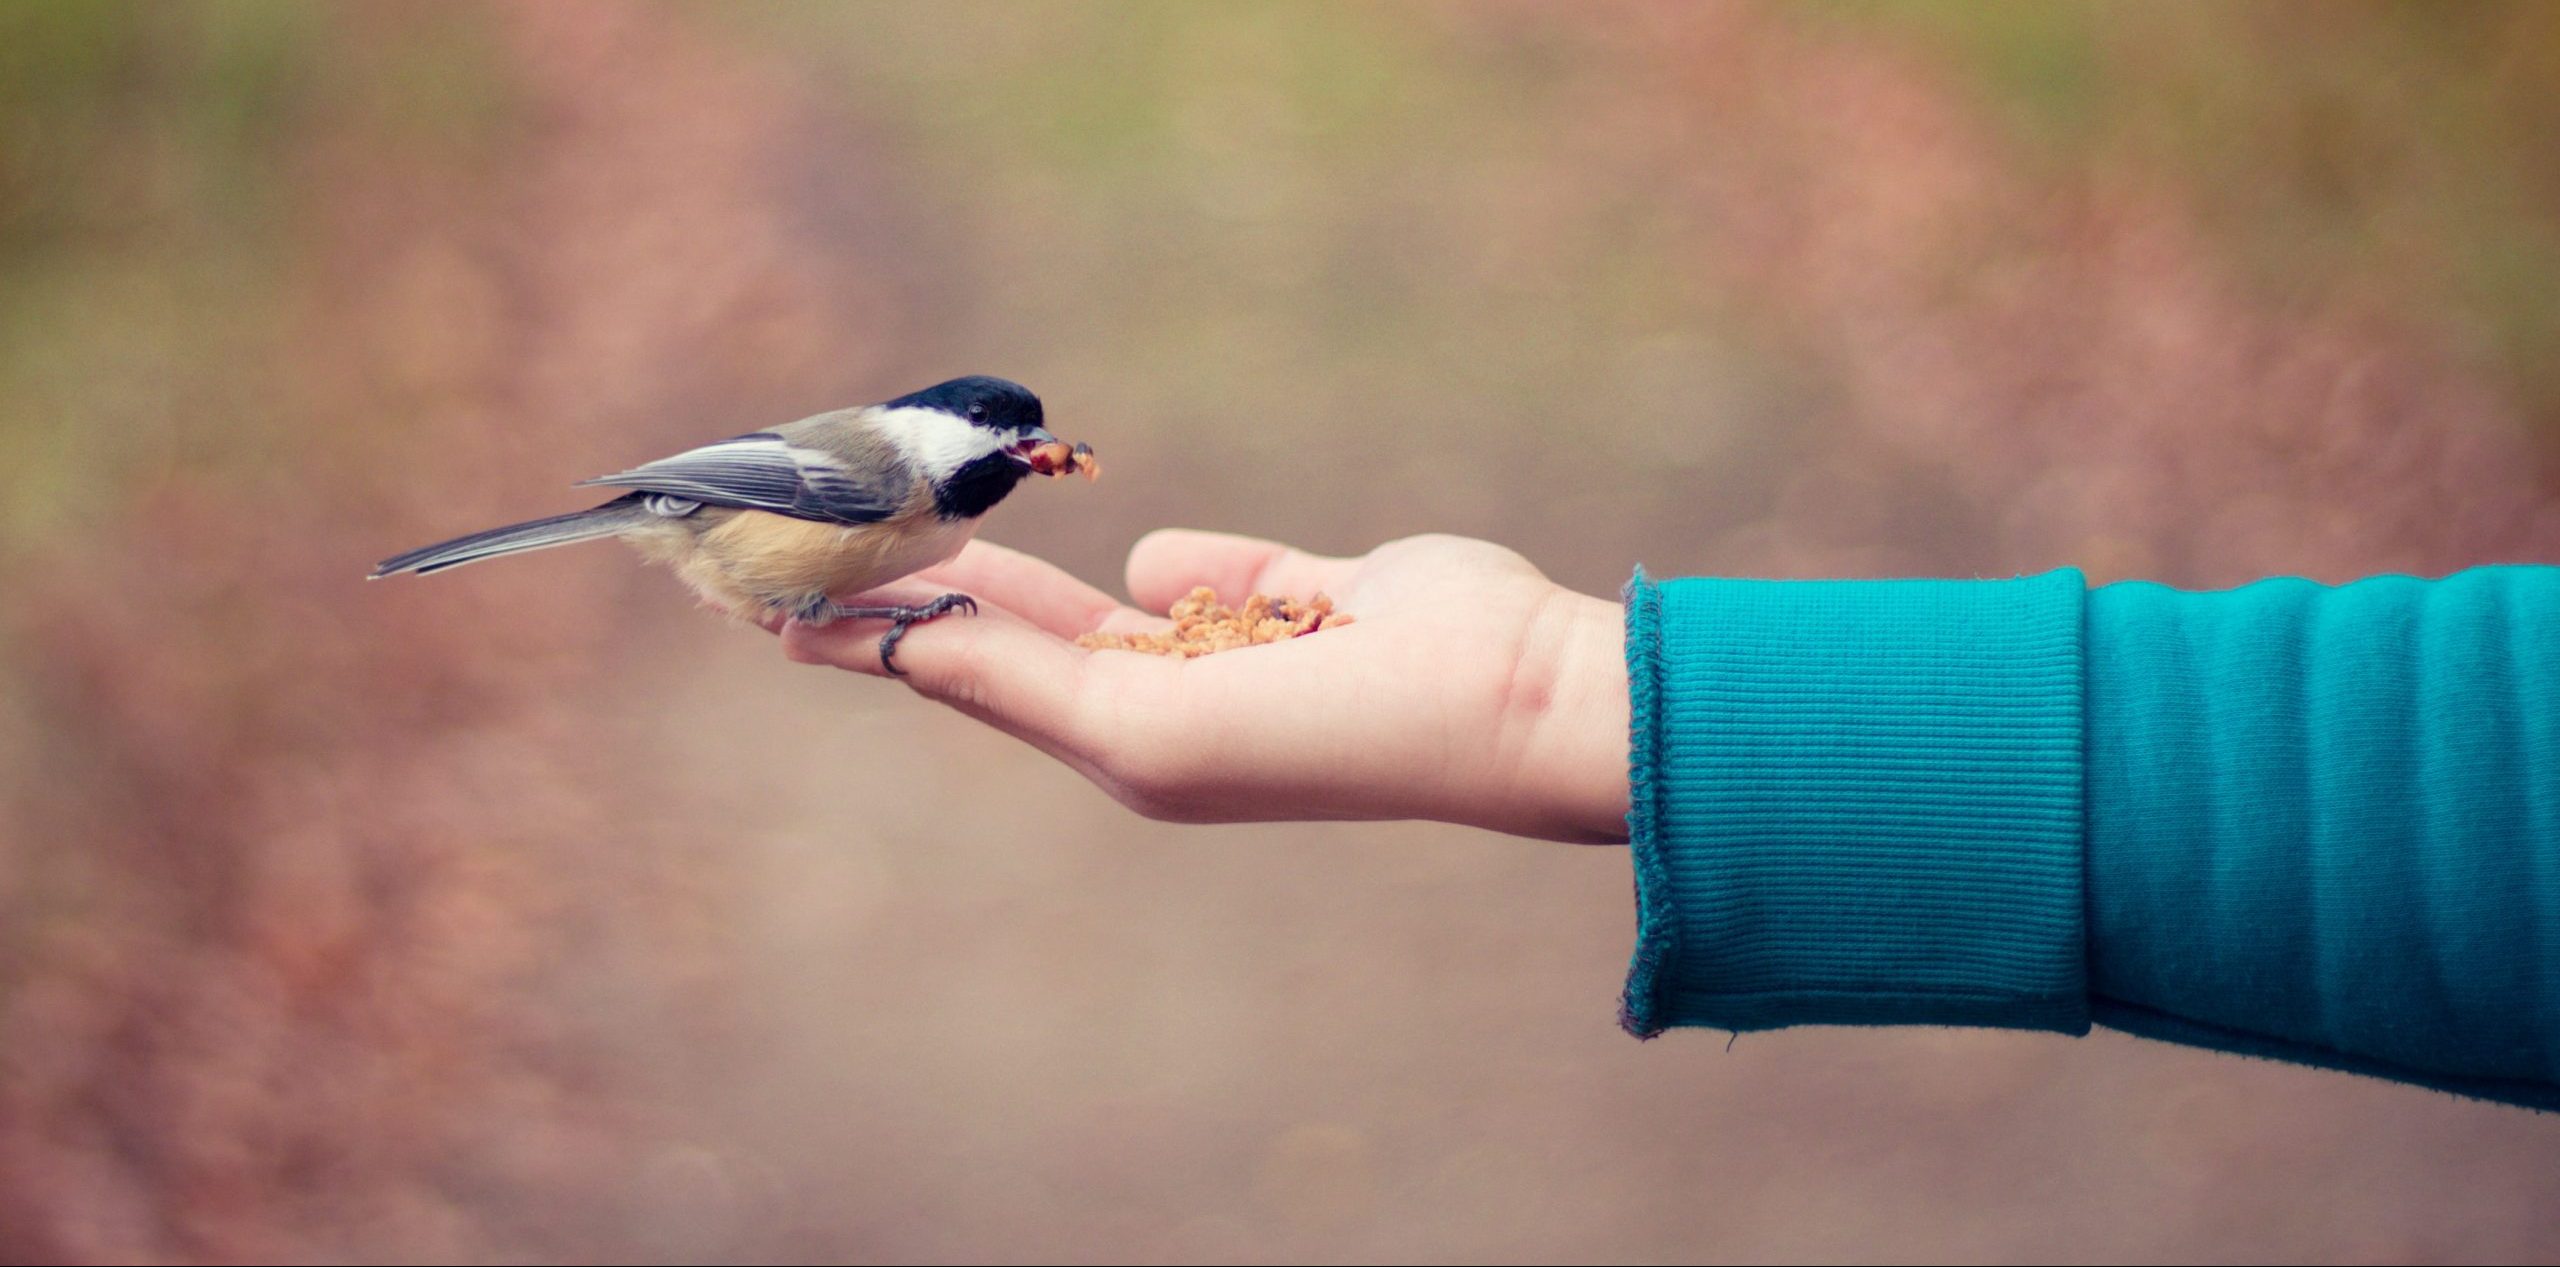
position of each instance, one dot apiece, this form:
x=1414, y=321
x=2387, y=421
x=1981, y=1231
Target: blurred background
x=528, y=914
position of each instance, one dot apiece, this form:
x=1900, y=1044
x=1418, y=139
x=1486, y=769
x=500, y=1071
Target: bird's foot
x=824, y=611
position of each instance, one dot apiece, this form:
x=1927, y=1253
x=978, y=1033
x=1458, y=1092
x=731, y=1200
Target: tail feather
x=533, y=534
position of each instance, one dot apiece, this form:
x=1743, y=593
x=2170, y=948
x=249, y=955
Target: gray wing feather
x=763, y=471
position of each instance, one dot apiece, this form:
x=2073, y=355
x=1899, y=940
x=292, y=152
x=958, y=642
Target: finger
x=1170, y=562
x=994, y=666
x=1032, y=588
x=1129, y=620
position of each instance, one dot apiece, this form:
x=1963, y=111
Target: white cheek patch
x=935, y=441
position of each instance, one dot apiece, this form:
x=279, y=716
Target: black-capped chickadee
x=776, y=522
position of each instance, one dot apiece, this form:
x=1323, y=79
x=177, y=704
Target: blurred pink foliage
x=319, y=866
x=2066, y=357
x=389, y=922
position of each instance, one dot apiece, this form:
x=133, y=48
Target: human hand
x=1470, y=688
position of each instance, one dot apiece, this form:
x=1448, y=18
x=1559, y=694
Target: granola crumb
x=1204, y=626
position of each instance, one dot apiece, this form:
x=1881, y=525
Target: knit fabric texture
x=1857, y=802
x=2324, y=823
x=2312, y=823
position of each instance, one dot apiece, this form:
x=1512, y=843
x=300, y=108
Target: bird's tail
x=534, y=534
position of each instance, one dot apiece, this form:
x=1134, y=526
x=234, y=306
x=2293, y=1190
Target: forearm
x=2316, y=823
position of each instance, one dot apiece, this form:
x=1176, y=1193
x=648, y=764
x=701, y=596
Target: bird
x=778, y=522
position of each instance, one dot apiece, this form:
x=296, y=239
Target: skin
x=1470, y=689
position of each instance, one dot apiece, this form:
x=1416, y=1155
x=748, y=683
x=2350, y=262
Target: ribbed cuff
x=1856, y=802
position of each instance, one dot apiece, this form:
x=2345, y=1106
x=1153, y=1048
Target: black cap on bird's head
x=982, y=401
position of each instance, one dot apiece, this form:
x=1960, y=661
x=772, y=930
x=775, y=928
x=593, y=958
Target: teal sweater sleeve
x=2309, y=822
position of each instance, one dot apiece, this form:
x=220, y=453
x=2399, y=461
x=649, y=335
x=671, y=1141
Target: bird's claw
x=899, y=619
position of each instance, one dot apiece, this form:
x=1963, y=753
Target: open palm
x=1469, y=689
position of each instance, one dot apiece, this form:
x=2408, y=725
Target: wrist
x=1571, y=773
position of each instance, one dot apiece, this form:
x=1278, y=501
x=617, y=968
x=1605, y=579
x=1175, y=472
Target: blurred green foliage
x=144, y=180
x=120, y=114
x=2327, y=144
x=154, y=198
x=1321, y=229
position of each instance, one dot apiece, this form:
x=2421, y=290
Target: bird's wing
x=764, y=471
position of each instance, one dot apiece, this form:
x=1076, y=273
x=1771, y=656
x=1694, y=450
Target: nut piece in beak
x=1056, y=457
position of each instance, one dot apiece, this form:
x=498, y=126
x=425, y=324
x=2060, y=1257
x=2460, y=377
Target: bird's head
x=972, y=437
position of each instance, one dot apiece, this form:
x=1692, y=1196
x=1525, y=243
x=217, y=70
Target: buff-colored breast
x=749, y=560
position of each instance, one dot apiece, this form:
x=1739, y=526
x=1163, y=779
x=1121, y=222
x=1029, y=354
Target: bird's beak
x=1032, y=441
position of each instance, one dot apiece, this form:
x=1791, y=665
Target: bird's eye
x=977, y=413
